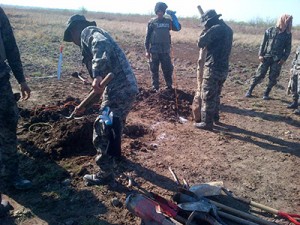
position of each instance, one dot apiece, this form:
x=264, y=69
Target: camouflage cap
x=72, y=21
x=208, y=15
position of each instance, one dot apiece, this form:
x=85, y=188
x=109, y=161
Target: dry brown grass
x=39, y=34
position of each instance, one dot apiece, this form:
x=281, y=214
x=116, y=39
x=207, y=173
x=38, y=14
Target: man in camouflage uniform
x=9, y=60
x=294, y=84
x=158, y=44
x=102, y=55
x=274, y=51
x=217, y=39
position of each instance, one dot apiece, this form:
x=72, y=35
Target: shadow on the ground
x=265, y=116
x=143, y=177
x=275, y=144
x=52, y=198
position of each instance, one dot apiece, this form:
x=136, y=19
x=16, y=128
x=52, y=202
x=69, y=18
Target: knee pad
x=107, y=135
x=103, y=131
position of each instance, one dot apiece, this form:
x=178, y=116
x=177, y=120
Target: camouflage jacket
x=102, y=55
x=218, y=41
x=158, y=38
x=275, y=44
x=296, y=61
x=10, y=52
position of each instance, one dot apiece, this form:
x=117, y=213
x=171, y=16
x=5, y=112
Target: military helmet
x=74, y=20
x=208, y=15
x=160, y=6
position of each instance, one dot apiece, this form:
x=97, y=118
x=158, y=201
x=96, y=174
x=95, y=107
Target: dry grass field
x=255, y=151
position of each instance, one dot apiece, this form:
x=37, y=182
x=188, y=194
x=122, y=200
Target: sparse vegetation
x=254, y=151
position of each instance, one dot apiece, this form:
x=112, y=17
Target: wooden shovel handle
x=200, y=10
x=93, y=94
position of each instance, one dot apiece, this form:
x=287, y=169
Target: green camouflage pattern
x=8, y=126
x=218, y=41
x=267, y=64
x=102, y=55
x=158, y=37
x=8, y=106
x=276, y=44
x=11, y=51
x=295, y=82
x=167, y=67
x=212, y=85
x=158, y=44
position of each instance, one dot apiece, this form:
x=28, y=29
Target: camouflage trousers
x=294, y=85
x=267, y=64
x=107, y=138
x=212, y=85
x=166, y=65
x=8, y=127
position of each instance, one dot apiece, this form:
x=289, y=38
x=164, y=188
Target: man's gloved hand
x=170, y=12
x=174, y=19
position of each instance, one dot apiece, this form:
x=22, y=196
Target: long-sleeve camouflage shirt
x=276, y=44
x=158, y=38
x=102, y=55
x=296, y=61
x=218, y=41
x=9, y=51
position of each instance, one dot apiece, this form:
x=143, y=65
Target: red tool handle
x=61, y=48
x=291, y=217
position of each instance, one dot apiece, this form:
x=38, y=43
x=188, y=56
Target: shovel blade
x=207, y=189
x=199, y=206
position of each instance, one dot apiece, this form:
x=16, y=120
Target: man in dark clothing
x=274, y=51
x=102, y=55
x=9, y=60
x=294, y=84
x=158, y=44
x=217, y=39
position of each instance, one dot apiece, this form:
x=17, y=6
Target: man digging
x=102, y=56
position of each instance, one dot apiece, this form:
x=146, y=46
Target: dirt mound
x=59, y=137
x=167, y=104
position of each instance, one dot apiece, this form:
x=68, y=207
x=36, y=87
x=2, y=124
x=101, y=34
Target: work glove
x=174, y=19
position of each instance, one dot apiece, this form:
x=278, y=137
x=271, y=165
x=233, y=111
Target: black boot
x=266, y=94
x=249, y=92
x=105, y=174
x=206, y=121
x=216, y=118
x=5, y=207
x=297, y=112
x=293, y=105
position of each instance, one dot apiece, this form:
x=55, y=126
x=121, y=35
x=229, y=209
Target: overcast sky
x=238, y=10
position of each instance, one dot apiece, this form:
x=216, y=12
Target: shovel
x=289, y=216
x=211, y=190
x=208, y=189
x=92, y=96
x=197, y=101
